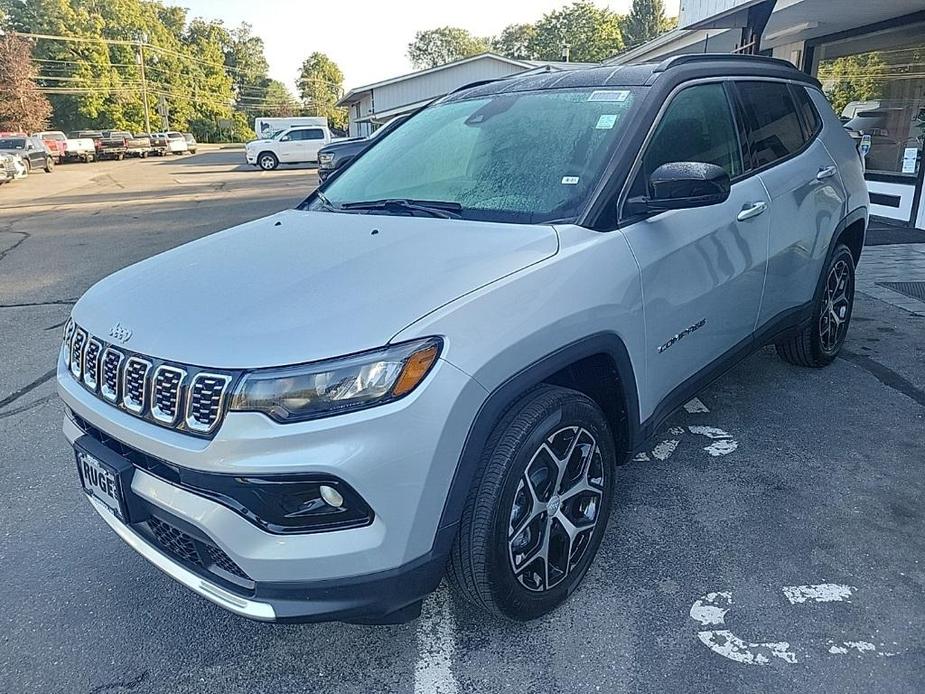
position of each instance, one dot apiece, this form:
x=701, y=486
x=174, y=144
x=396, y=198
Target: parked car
x=158, y=142
x=74, y=149
x=340, y=153
x=56, y=144
x=95, y=135
x=435, y=363
x=118, y=144
x=31, y=150
x=191, y=143
x=174, y=141
x=297, y=145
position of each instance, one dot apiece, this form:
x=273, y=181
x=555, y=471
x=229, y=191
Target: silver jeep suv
x=433, y=365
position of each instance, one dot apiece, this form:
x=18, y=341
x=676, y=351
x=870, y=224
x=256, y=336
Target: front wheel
x=819, y=342
x=267, y=161
x=537, y=512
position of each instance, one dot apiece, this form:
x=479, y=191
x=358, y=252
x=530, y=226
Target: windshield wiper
x=325, y=203
x=436, y=208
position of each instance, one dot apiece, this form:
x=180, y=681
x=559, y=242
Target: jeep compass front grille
x=179, y=396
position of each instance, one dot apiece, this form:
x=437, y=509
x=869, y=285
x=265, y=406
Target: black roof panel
x=677, y=68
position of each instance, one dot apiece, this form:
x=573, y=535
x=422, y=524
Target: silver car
x=433, y=365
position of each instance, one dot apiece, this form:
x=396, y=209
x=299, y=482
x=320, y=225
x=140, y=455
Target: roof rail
x=676, y=60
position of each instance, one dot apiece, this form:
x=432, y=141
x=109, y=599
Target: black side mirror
x=685, y=184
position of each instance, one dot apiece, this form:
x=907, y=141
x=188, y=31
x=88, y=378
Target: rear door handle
x=825, y=172
x=751, y=210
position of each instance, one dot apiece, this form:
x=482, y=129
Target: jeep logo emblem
x=120, y=333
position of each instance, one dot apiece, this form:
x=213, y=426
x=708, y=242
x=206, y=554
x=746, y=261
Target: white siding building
x=373, y=104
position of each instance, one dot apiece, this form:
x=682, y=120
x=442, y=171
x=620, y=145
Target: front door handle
x=825, y=172
x=752, y=209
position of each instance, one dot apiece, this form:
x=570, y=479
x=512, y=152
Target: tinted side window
x=772, y=120
x=296, y=135
x=696, y=126
x=313, y=134
x=811, y=120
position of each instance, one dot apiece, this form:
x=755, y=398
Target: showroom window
x=876, y=83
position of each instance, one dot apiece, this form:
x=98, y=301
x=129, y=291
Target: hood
x=302, y=286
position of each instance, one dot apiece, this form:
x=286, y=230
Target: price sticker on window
x=606, y=121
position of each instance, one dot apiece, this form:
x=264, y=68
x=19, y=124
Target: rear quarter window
x=774, y=127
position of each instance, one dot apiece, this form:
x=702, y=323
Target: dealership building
x=869, y=56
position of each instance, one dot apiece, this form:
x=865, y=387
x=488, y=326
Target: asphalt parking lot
x=770, y=539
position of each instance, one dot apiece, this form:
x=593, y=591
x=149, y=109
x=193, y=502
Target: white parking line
x=819, y=592
x=436, y=641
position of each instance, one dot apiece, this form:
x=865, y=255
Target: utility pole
x=144, y=84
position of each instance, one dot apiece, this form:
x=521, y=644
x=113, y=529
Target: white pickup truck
x=298, y=144
x=75, y=148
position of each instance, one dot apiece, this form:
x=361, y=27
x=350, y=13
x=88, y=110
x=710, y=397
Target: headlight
x=325, y=158
x=325, y=388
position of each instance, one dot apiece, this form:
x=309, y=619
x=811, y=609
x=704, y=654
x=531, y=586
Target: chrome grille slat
x=78, y=342
x=110, y=374
x=166, y=391
x=135, y=384
x=205, y=399
x=92, y=363
x=185, y=398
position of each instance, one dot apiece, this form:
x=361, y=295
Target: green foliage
x=852, y=78
x=279, y=101
x=645, y=21
x=443, y=45
x=590, y=33
x=515, y=41
x=321, y=84
x=202, y=72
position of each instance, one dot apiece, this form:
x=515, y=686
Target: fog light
x=331, y=496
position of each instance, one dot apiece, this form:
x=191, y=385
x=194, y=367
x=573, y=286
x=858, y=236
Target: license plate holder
x=107, y=477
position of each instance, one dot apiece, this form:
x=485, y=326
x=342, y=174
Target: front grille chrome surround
x=92, y=353
x=111, y=374
x=135, y=384
x=206, y=400
x=167, y=393
x=76, y=356
x=186, y=398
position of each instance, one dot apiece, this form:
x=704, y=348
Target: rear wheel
x=49, y=165
x=267, y=161
x=819, y=342
x=537, y=512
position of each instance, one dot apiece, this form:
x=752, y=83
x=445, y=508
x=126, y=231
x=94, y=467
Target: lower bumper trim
x=233, y=603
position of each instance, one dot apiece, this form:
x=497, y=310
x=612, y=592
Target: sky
x=367, y=39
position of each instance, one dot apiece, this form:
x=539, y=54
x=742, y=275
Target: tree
x=591, y=33
x=443, y=45
x=852, y=78
x=515, y=41
x=279, y=101
x=22, y=106
x=247, y=63
x=645, y=21
x=320, y=86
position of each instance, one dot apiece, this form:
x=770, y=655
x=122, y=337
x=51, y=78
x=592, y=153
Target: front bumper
x=250, y=157
x=400, y=458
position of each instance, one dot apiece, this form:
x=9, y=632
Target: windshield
x=12, y=143
x=527, y=157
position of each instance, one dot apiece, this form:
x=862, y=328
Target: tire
x=818, y=343
x=508, y=576
x=267, y=161
x=28, y=165
x=49, y=165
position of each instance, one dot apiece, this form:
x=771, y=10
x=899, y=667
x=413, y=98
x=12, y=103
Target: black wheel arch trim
x=503, y=398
